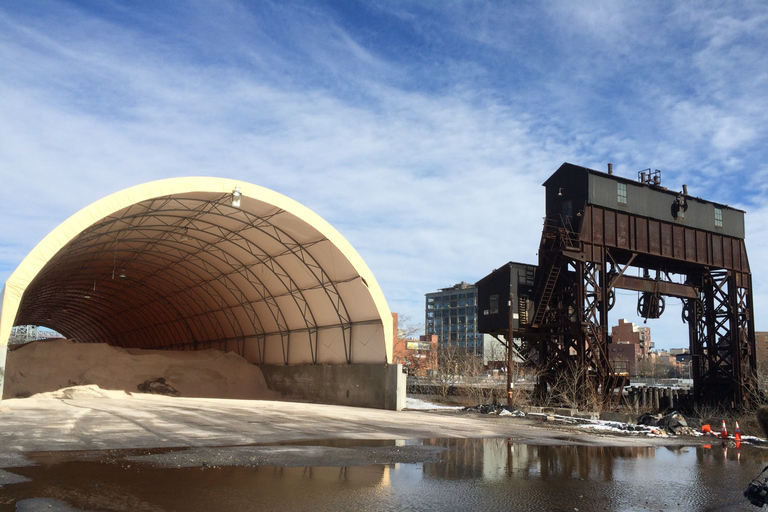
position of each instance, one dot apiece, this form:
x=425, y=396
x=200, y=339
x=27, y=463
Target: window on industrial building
x=567, y=208
x=718, y=217
x=494, y=304
x=621, y=191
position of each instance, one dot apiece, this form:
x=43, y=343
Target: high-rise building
x=451, y=314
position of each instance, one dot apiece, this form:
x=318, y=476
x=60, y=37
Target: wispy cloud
x=422, y=132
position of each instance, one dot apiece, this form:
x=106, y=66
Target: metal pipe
x=610, y=168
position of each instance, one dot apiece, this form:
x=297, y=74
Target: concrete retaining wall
x=379, y=386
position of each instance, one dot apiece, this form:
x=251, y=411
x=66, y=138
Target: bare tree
x=575, y=388
x=448, y=372
x=416, y=361
x=407, y=328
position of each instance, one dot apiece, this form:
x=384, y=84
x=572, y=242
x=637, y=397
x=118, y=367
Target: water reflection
x=532, y=477
x=472, y=474
x=493, y=459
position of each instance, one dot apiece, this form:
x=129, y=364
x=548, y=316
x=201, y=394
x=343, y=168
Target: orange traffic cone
x=737, y=435
x=724, y=432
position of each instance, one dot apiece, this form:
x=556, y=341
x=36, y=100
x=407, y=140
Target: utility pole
x=510, y=356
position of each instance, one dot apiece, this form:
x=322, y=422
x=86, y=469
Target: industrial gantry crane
x=603, y=232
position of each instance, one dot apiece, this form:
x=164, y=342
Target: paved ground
x=152, y=421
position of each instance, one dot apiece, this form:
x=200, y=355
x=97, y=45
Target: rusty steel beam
x=653, y=239
x=683, y=291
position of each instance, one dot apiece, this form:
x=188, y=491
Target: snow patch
x=422, y=405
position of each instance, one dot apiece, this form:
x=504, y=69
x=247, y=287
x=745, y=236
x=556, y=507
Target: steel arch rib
x=145, y=201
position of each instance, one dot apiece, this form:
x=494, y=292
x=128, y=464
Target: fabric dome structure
x=198, y=263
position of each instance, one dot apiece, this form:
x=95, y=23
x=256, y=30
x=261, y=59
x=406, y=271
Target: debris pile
x=657, y=425
x=673, y=424
x=501, y=410
x=158, y=387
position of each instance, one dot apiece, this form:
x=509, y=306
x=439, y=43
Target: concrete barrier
x=379, y=386
x=619, y=417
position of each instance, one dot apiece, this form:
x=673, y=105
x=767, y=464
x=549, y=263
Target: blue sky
x=422, y=130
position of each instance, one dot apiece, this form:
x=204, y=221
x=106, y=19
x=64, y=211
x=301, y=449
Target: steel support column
x=720, y=326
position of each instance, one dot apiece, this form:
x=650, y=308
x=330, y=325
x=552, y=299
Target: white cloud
x=429, y=161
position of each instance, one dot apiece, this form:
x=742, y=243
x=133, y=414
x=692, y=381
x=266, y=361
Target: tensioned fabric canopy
x=178, y=264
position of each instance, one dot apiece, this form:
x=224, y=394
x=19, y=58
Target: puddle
x=434, y=474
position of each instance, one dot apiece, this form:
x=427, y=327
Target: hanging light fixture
x=122, y=274
x=185, y=235
x=236, y=194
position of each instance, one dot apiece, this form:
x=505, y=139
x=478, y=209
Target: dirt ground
x=91, y=419
x=221, y=400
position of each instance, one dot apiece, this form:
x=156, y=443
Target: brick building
x=624, y=357
x=630, y=344
x=418, y=356
x=627, y=332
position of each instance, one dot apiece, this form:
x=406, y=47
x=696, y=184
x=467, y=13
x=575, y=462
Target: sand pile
x=48, y=366
x=81, y=392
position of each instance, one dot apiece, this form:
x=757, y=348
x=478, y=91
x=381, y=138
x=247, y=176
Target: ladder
x=554, y=237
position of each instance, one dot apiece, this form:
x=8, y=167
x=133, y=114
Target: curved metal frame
x=168, y=313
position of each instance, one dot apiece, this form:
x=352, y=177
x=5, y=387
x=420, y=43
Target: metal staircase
x=554, y=237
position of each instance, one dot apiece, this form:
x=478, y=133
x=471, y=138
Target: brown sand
x=48, y=366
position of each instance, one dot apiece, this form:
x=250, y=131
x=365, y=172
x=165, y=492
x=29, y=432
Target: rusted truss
x=580, y=266
x=722, y=338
